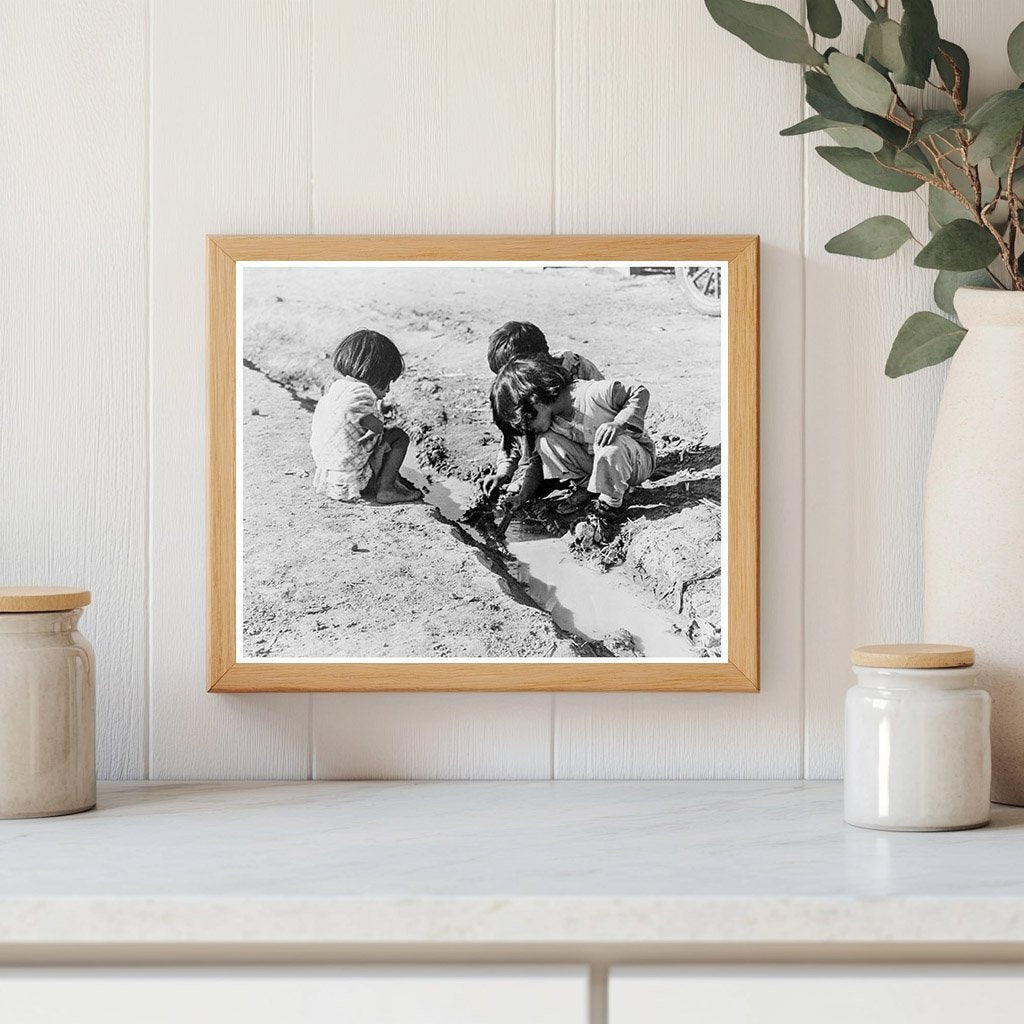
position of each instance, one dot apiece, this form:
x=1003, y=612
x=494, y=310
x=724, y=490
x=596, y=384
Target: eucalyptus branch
x=924, y=178
x=1012, y=168
x=928, y=146
x=995, y=280
x=901, y=104
x=958, y=80
x=1004, y=252
x=971, y=171
x=945, y=185
x=898, y=102
x=1013, y=203
x=949, y=154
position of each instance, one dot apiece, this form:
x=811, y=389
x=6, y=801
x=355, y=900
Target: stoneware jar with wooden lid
x=47, y=704
x=918, y=748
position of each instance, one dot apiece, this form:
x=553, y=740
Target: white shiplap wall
x=132, y=130
x=73, y=337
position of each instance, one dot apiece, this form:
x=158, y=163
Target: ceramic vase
x=47, y=715
x=974, y=517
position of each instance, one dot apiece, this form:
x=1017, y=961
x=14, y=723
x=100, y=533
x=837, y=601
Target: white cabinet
x=278, y=995
x=812, y=995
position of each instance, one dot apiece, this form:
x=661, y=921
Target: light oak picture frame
x=739, y=669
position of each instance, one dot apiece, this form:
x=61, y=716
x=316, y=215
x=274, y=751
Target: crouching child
x=590, y=434
x=357, y=456
x=518, y=468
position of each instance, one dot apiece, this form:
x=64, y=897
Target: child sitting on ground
x=518, y=467
x=356, y=455
x=590, y=433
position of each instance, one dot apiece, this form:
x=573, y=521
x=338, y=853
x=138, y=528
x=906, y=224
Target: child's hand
x=513, y=499
x=373, y=426
x=493, y=482
x=606, y=433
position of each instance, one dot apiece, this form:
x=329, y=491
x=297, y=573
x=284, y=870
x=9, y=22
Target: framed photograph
x=483, y=463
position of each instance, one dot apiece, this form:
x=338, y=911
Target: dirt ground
x=327, y=579
x=323, y=578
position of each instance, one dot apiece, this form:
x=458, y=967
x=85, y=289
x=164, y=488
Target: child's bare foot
x=397, y=494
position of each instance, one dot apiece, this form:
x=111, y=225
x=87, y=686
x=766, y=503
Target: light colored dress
x=344, y=463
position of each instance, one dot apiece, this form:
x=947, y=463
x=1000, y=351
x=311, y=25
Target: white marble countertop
x=407, y=863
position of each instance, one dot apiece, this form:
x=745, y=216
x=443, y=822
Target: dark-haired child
x=356, y=455
x=590, y=433
x=518, y=466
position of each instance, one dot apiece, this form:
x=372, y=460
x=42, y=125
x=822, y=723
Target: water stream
x=580, y=598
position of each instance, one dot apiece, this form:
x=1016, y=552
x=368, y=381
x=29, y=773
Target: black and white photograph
x=481, y=460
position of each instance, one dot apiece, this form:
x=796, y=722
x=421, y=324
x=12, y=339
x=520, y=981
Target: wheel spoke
x=704, y=284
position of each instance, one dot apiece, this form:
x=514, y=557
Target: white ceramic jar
x=918, y=748
x=47, y=704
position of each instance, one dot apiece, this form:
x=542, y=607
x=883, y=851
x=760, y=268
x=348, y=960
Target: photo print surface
x=481, y=461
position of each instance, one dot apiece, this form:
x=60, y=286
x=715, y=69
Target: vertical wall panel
x=868, y=437
x=432, y=116
x=73, y=332
x=665, y=124
x=230, y=153
x=423, y=116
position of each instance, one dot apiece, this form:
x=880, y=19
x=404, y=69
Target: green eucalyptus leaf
x=951, y=55
x=959, y=245
x=919, y=38
x=882, y=44
x=926, y=339
x=944, y=208
x=996, y=124
x=934, y=122
x=872, y=239
x=856, y=136
x=907, y=76
x=825, y=98
x=866, y=168
x=860, y=85
x=864, y=7
x=1015, y=50
x=824, y=18
x=892, y=133
x=769, y=31
x=912, y=158
x=808, y=125
x=948, y=281
x=1000, y=161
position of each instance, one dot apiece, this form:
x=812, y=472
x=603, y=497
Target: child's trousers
x=609, y=471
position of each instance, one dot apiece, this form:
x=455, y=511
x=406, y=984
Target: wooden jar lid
x=42, y=599
x=913, y=656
